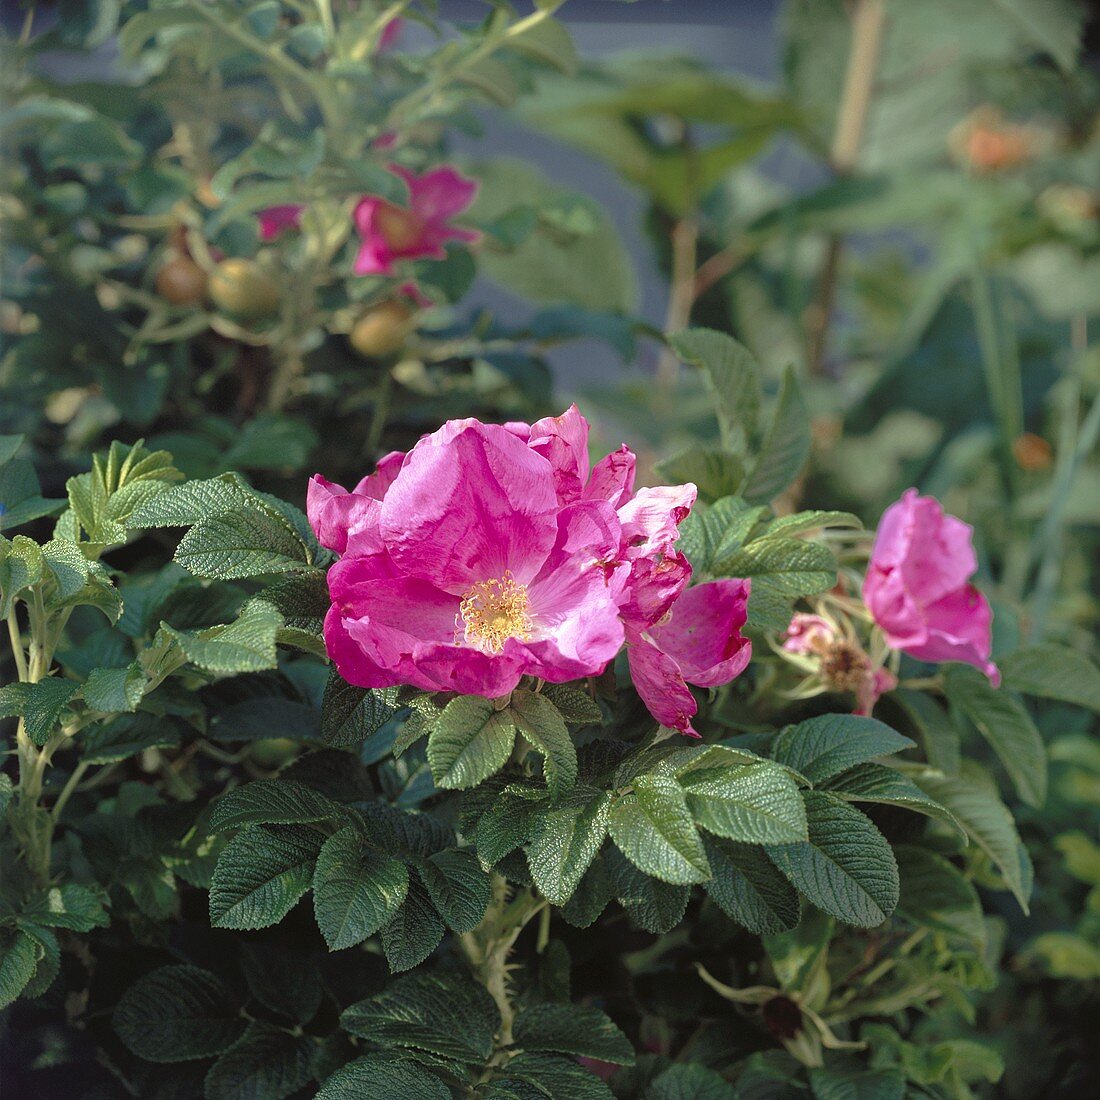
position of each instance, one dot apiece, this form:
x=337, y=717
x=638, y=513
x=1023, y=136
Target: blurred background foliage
x=908, y=214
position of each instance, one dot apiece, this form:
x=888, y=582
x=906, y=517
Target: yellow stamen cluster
x=494, y=611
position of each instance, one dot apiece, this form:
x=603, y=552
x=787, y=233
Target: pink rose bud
x=808, y=633
x=276, y=220
x=917, y=586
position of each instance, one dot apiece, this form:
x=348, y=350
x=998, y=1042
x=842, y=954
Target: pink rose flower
x=390, y=34
x=917, y=586
x=421, y=229
x=276, y=220
x=463, y=572
x=808, y=633
x=490, y=552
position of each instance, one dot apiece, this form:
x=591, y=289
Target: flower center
x=494, y=611
x=400, y=228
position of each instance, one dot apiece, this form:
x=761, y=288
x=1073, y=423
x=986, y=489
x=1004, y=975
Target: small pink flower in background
x=390, y=34
x=808, y=634
x=276, y=220
x=917, y=586
x=490, y=552
x=874, y=687
x=421, y=229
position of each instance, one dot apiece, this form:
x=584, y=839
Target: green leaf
x=21, y=566
x=253, y=541
x=413, y=932
x=541, y=724
x=446, y=1015
x=653, y=905
x=40, y=704
x=191, y=502
x=547, y=1075
x=470, y=741
x=862, y=1084
x=1053, y=672
x=733, y=378
x=785, y=447
x=749, y=889
x=177, y=1013
x=266, y=1063
x=822, y=747
x=245, y=645
x=115, y=690
x=572, y=1029
x=459, y=888
x=373, y=1075
x=356, y=889
x=18, y=961
x=261, y=874
x=798, y=522
x=710, y=533
x=565, y=843
x=349, y=714
x=690, y=1082
x=68, y=564
x=937, y=895
x=878, y=783
x=938, y=734
x=71, y=906
x=717, y=473
x=1066, y=955
x=653, y=828
x=6, y=790
x=504, y=827
x=846, y=868
x=784, y=566
x=1004, y=722
x=974, y=802
x=48, y=952
x=754, y=803
x=577, y=707
x=271, y=802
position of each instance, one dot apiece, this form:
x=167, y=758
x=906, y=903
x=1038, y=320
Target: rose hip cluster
x=492, y=552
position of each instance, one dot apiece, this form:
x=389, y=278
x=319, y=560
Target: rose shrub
x=754, y=759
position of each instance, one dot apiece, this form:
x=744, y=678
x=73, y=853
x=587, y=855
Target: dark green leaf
x=572, y=1029
x=541, y=724
x=822, y=747
x=564, y=844
x=413, y=932
x=349, y=714
x=749, y=889
x=266, y=1063
x=1053, y=672
x=755, y=803
x=374, y=1076
x=271, y=802
x=459, y=888
x=470, y=741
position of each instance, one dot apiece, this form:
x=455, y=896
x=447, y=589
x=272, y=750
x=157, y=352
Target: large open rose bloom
x=490, y=552
x=419, y=230
x=917, y=585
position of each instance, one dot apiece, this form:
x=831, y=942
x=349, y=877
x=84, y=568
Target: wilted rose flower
x=416, y=231
x=490, y=552
x=275, y=220
x=917, y=586
x=808, y=633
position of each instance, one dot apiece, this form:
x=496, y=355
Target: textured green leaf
x=191, y=502
x=822, y=747
x=252, y=541
x=18, y=960
x=115, y=690
x=939, y=736
x=271, y=802
x=785, y=566
x=1053, y=672
x=846, y=868
x=177, y=1013
x=811, y=520
x=503, y=828
x=785, y=447
x=261, y=874
x=446, y=1015
x=691, y=1082
x=79, y=908
x=266, y=1063
x=356, y=889
x=709, y=534
x=749, y=889
x=987, y=822
x=937, y=895
x=541, y=724
x=549, y=1076
x=459, y=888
x=374, y=1076
x=733, y=378
x=654, y=829
x=1005, y=723
x=21, y=565
x=862, y=1084
x=577, y=707
x=39, y=703
x=245, y=645
x=564, y=844
x=755, y=803
x=414, y=931
x=878, y=783
x=48, y=952
x=69, y=566
x=653, y=905
x=572, y=1029
x=470, y=741
x=349, y=714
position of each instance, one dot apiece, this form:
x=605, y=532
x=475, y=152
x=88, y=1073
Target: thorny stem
x=867, y=27
x=488, y=946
